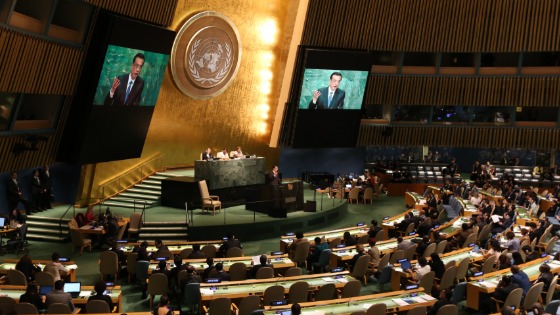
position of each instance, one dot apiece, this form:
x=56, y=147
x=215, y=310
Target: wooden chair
x=354, y=195
x=234, y=252
x=368, y=195
x=135, y=224
x=78, y=240
x=209, y=202
x=513, y=299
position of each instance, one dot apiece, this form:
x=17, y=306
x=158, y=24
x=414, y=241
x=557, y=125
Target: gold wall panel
x=182, y=127
x=158, y=12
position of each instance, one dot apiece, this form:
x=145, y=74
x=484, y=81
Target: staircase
x=166, y=231
x=146, y=192
x=47, y=229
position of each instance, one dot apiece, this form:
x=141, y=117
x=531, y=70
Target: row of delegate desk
x=15, y=291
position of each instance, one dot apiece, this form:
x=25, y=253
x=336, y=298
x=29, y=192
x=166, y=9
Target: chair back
x=409, y=252
x=185, y=253
x=122, y=229
x=16, y=277
x=273, y=293
x=97, y=306
x=191, y=297
x=248, y=304
x=368, y=194
x=459, y=293
x=384, y=261
x=135, y=223
x=427, y=281
x=488, y=265
x=209, y=251
x=377, y=309
x=80, y=219
x=324, y=259
x=7, y=305
x=429, y=250
x=298, y=292
x=165, y=253
x=302, y=251
x=360, y=268
x=265, y=273
x=142, y=270
x=234, y=252
x=462, y=269
x=363, y=239
x=533, y=295
x=131, y=263
x=469, y=240
x=409, y=229
x=550, y=244
x=238, y=271
x=381, y=236
x=334, y=242
x=450, y=264
x=448, y=278
x=158, y=284
x=358, y=313
x=220, y=306
x=73, y=224
x=354, y=193
x=418, y=310
x=484, y=233
x=396, y=256
x=449, y=309
x=551, y=290
x=325, y=292
x=514, y=298
x=77, y=238
x=58, y=308
x=293, y=272
x=25, y=308
x=440, y=248
x=44, y=278
x=203, y=189
x=385, y=275
x=108, y=263
x=351, y=289
x=552, y=307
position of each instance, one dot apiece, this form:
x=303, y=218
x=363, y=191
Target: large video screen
x=333, y=89
x=130, y=77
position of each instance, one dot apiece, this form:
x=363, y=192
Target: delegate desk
x=15, y=291
x=468, y=208
x=522, y=217
x=9, y=264
x=487, y=283
x=174, y=247
x=457, y=256
x=230, y=173
x=91, y=229
x=396, y=301
x=240, y=289
x=356, y=231
x=340, y=256
x=492, y=197
x=279, y=263
x=414, y=200
x=450, y=229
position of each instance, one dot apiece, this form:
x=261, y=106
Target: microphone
x=349, y=299
x=278, y=279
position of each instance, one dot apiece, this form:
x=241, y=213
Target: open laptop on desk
x=2, y=223
x=74, y=288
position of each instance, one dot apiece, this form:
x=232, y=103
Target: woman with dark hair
x=348, y=240
x=100, y=288
x=503, y=262
x=517, y=259
x=31, y=296
x=26, y=266
x=163, y=306
x=436, y=265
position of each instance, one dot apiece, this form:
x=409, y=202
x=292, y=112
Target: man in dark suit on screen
x=127, y=88
x=330, y=97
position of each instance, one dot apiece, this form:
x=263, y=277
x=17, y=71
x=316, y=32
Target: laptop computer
x=2, y=222
x=45, y=289
x=405, y=264
x=74, y=288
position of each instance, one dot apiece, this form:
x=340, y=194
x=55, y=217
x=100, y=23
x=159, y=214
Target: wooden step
x=135, y=196
x=148, y=187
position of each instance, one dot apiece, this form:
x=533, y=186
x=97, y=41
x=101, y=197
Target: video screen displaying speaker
x=119, y=87
x=333, y=85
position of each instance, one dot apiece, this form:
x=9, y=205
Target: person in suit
x=15, y=195
x=207, y=155
x=37, y=191
x=263, y=263
x=57, y=295
x=32, y=296
x=196, y=253
x=330, y=97
x=126, y=89
x=274, y=176
x=221, y=273
x=46, y=179
x=229, y=243
x=100, y=295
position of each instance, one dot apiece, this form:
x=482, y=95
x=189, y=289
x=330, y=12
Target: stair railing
x=133, y=176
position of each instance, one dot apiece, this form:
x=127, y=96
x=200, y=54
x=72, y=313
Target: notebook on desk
x=74, y=288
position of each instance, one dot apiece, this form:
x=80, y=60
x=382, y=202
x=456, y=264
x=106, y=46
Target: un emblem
x=205, y=55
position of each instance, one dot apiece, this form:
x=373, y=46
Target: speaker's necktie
x=128, y=91
x=330, y=98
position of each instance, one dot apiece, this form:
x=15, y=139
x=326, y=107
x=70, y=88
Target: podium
x=275, y=200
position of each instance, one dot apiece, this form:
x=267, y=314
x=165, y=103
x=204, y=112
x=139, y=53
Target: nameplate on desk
x=360, y=224
x=161, y=258
x=478, y=274
x=339, y=269
x=213, y=280
x=276, y=253
x=290, y=234
x=385, y=218
x=340, y=246
x=279, y=303
x=122, y=241
x=64, y=259
x=411, y=287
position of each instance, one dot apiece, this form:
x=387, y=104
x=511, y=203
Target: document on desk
x=328, y=279
x=73, y=266
x=342, y=280
x=428, y=297
x=400, y=302
x=367, y=306
x=488, y=284
x=418, y=299
x=206, y=292
x=313, y=313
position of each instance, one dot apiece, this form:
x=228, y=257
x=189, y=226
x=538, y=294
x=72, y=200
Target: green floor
x=88, y=271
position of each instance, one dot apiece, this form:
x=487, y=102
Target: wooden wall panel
x=159, y=12
x=434, y=25
x=483, y=137
x=467, y=91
